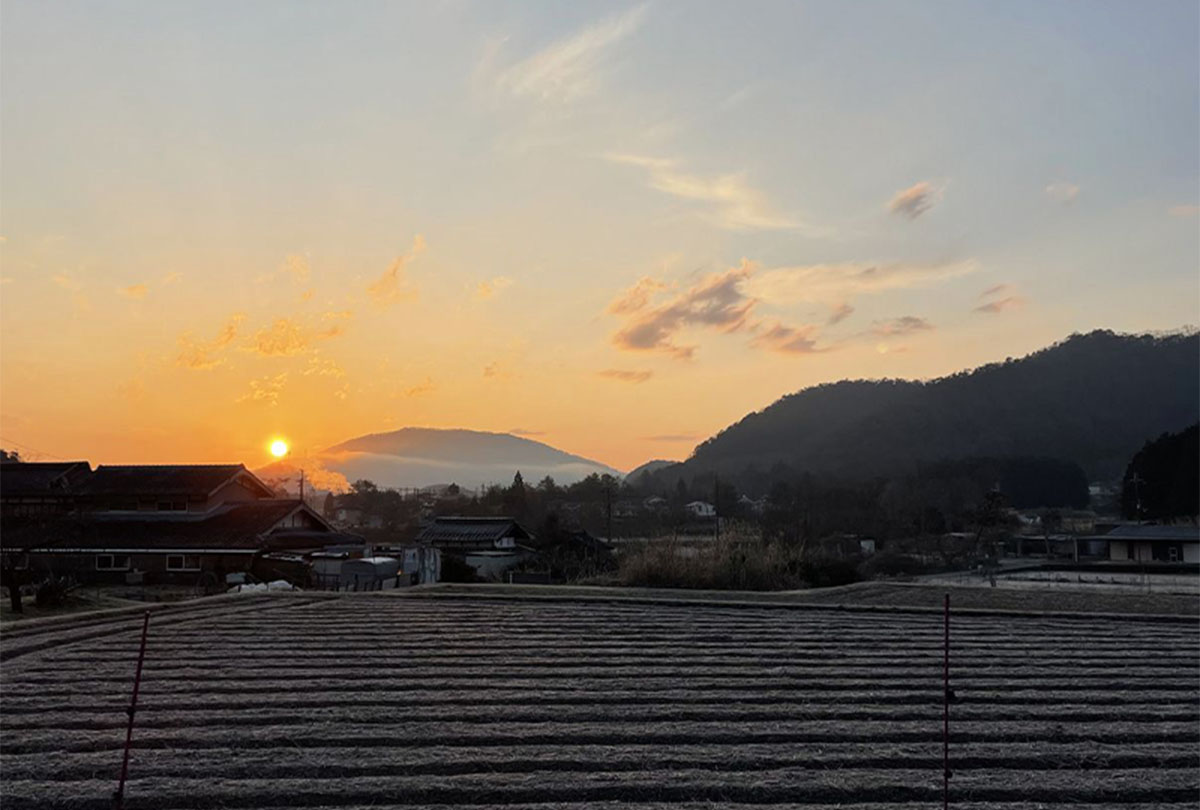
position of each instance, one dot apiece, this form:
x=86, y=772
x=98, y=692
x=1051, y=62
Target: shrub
x=739, y=560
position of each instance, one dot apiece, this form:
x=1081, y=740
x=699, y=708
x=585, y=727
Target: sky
x=615, y=228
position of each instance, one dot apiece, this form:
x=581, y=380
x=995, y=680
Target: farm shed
x=463, y=534
x=371, y=574
x=1152, y=543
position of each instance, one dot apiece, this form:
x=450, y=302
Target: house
x=701, y=509
x=173, y=489
x=490, y=545
x=159, y=524
x=30, y=489
x=1152, y=543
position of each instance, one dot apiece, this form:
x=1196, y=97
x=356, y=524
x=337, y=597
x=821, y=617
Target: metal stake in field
x=119, y=796
x=946, y=693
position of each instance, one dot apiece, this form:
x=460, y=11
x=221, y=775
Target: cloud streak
x=1062, y=192
x=733, y=203
x=570, y=67
x=626, y=375
x=897, y=327
x=1008, y=304
x=206, y=355
x=819, y=283
x=393, y=287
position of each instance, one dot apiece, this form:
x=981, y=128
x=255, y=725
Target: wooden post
x=119, y=796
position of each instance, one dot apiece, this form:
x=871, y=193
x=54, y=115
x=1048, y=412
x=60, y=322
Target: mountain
x=1092, y=399
x=650, y=467
x=417, y=457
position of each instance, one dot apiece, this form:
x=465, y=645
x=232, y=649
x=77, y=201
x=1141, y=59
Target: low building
x=1153, y=543
x=490, y=545
x=702, y=509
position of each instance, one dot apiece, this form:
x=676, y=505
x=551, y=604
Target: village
x=154, y=532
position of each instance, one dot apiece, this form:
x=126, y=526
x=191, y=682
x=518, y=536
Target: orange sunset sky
x=614, y=228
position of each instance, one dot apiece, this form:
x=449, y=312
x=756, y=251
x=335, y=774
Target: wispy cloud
x=206, y=355
x=734, y=203
x=570, y=67
x=626, y=375
x=1002, y=305
x=822, y=283
x=1184, y=211
x=286, y=337
x=915, y=200
x=422, y=388
x=134, y=292
x=392, y=286
x=1062, y=192
x=323, y=367
x=63, y=281
x=996, y=290
x=488, y=289
x=896, y=327
x=267, y=389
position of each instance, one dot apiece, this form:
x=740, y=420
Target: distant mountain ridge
x=1093, y=399
x=417, y=457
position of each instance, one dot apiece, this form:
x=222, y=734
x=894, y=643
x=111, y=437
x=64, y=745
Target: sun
x=279, y=448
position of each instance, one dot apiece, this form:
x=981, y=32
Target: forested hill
x=1093, y=399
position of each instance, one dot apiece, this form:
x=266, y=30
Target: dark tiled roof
x=474, y=532
x=152, y=479
x=239, y=528
x=1148, y=532
x=41, y=478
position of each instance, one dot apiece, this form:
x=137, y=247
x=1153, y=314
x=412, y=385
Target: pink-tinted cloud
x=840, y=313
x=778, y=337
x=914, y=200
x=716, y=302
x=1012, y=302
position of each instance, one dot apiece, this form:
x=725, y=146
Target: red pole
x=119, y=796
x=946, y=713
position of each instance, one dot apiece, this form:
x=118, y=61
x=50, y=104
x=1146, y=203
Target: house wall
x=1118, y=550
x=1191, y=552
x=153, y=565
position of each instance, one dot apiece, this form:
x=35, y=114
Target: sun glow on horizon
x=279, y=448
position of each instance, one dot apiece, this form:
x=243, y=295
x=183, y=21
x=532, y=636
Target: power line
x=34, y=450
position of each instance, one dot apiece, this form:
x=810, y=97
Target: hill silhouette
x=416, y=457
x=1092, y=399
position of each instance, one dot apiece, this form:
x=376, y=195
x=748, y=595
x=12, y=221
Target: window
x=172, y=506
x=123, y=505
x=112, y=562
x=183, y=562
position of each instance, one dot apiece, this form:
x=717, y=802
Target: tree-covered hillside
x=1092, y=399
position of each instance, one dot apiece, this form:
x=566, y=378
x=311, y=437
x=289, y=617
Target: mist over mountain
x=1092, y=399
x=417, y=457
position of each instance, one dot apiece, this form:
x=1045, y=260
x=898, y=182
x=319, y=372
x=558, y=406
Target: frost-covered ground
x=473, y=700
